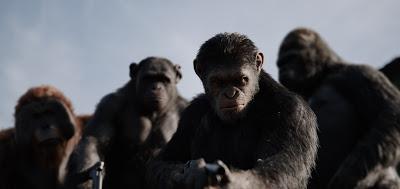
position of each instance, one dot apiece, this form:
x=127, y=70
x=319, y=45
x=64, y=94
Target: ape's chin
x=231, y=115
x=50, y=153
x=156, y=104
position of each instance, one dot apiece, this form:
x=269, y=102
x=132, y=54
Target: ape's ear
x=133, y=69
x=259, y=60
x=197, y=68
x=178, y=71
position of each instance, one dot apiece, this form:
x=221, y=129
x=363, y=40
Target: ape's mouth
x=154, y=98
x=233, y=107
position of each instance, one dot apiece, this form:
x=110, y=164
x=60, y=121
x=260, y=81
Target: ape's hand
x=194, y=174
x=218, y=173
x=198, y=174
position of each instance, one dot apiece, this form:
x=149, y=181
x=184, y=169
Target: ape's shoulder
x=193, y=113
x=361, y=78
x=292, y=102
x=110, y=104
x=181, y=103
x=198, y=106
x=294, y=108
x=117, y=98
x=365, y=87
x=7, y=158
x=6, y=135
x=274, y=95
x=354, y=72
x=7, y=144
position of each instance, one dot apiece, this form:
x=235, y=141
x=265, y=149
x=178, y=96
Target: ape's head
x=303, y=56
x=155, y=81
x=229, y=65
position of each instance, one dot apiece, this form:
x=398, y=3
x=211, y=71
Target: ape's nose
x=46, y=126
x=231, y=93
x=156, y=87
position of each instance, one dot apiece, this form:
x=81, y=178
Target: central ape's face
x=156, y=85
x=231, y=89
x=48, y=124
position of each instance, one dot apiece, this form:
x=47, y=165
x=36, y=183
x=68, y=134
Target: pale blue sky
x=84, y=47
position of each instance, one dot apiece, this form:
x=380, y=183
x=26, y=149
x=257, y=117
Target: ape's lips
x=154, y=99
x=232, y=107
x=154, y=96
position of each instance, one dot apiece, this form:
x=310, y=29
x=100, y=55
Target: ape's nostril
x=156, y=87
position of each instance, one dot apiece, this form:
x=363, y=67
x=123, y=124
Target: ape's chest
x=137, y=140
x=34, y=177
x=336, y=115
x=142, y=131
x=234, y=146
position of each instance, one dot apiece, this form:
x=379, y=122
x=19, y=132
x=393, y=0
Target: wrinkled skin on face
x=156, y=85
x=49, y=123
x=232, y=86
x=44, y=130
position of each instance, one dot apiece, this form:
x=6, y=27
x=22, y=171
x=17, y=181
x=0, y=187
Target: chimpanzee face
x=156, y=84
x=232, y=86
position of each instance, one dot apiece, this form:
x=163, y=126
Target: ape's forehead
x=227, y=63
x=44, y=105
x=231, y=71
x=156, y=68
x=296, y=43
